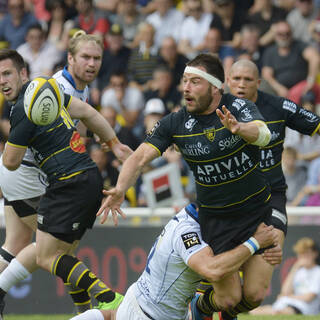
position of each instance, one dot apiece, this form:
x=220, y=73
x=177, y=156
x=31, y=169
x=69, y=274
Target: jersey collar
x=67, y=75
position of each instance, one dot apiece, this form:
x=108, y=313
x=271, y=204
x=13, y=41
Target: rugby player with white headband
x=219, y=137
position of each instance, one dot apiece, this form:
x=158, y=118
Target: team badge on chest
x=210, y=133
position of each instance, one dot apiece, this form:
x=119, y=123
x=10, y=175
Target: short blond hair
x=303, y=245
x=81, y=37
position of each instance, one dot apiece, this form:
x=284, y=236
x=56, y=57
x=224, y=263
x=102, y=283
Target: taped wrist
x=252, y=244
x=264, y=135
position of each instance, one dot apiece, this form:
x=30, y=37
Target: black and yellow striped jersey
x=57, y=148
x=225, y=167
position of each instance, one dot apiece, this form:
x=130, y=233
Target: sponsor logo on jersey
x=190, y=124
x=310, y=117
x=290, y=106
x=246, y=115
x=266, y=158
x=153, y=130
x=229, y=142
x=195, y=149
x=190, y=239
x=238, y=103
x=222, y=171
x=76, y=143
x=210, y=133
x=274, y=136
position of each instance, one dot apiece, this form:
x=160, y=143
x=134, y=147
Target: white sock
x=13, y=274
x=93, y=314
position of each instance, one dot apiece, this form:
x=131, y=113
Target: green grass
x=241, y=317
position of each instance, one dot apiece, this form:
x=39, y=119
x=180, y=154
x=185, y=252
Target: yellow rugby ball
x=43, y=100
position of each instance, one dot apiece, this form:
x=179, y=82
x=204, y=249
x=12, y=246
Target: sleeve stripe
x=317, y=128
x=67, y=106
x=16, y=145
x=154, y=147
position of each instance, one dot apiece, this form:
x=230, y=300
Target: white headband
x=213, y=80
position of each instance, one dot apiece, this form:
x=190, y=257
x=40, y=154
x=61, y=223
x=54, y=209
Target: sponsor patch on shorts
x=190, y=239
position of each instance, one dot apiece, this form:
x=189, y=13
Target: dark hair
x=211, y=63
x=51, y=4
x=14, y=56
x=119, y=72
x=36, y=26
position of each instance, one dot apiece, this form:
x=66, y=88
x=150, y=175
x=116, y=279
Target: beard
x=202, y=103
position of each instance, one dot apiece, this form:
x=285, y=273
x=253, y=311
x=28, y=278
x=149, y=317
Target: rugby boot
x=225, y=316
x=114, y=304
x=196, y=314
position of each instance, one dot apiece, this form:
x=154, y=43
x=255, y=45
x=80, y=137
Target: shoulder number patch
x=190, y=239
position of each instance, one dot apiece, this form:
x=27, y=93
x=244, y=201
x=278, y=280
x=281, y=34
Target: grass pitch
x=241, y=317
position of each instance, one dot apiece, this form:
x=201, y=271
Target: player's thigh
x=228, y=292
x=18, y=234
x=48, y=248
x=257, y=274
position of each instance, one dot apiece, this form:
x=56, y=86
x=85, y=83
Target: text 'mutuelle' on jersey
x=43, y=101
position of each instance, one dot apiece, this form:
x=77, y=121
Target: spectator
x=227, y=21
x=128, y=17
x=174, y=60
x=162, y=87
x=89, y=19
x=166, y=21
x=57, y=27
x=15, y=24
x=296, y=176
x=127, y=101
x=38, y=49
x=144, y=59
x=300, y=18
x=300, y=292
x=264, y=14
x=213, y=44
x=193, y=29
x=249, y=45
x=115, y=57
x=288, y=62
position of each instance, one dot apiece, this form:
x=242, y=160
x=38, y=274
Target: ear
x=259, y=82
x=24, y=74
x=70, y=58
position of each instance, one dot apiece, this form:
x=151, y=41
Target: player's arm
x=12, y=156
x=95, y=122
x=215, y=268
x=254, y=132
x=129, y=173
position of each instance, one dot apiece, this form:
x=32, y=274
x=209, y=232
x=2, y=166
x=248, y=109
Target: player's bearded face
x=201, y=103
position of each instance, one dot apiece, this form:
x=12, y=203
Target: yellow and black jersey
x=225, y=167
x=57, y=148
x=280, y=113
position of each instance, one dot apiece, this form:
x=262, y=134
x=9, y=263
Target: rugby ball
x=43, y=100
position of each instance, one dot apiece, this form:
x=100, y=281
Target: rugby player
x=219, y=136
x=176, y=263
x=59, y=239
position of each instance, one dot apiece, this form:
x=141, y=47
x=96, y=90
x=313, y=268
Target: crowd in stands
x=146, y=46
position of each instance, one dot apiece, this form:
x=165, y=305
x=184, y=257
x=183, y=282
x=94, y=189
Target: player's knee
x=230, y=301
x=43, y=262
x=256, y=296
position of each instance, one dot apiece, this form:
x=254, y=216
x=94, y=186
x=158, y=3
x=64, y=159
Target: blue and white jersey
x=68, y=85
x=167, y=284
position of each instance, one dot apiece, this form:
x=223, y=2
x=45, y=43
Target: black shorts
x=224, y=233
x=69, y=207
x=279, y=217
x=25, y=207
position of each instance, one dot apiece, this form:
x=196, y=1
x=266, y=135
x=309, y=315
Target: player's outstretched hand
x=265, y=235
x=113, y=203
x=273, y=255
x=228, y=120
x=122, y=151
